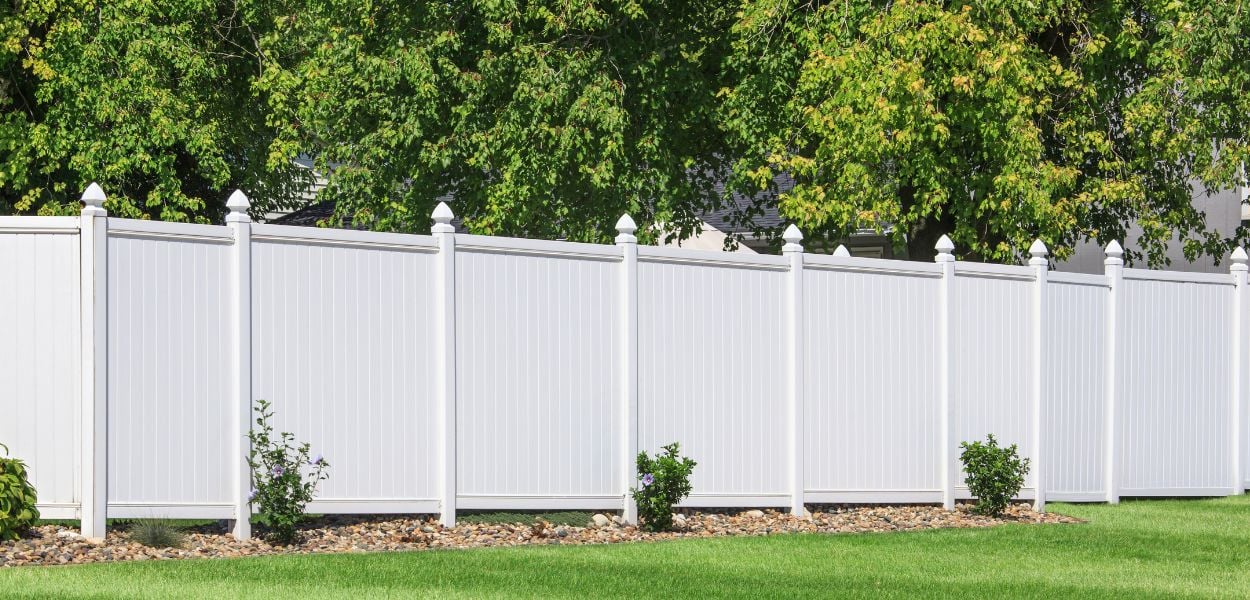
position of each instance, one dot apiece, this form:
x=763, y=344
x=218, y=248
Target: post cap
x=842, y=251
x=442, y=214
x=1239, y=260
x=1114, y=250
x=792, y=234
x=238, y=202
x=94, y=196
x=1038, y=249
x=626, y=224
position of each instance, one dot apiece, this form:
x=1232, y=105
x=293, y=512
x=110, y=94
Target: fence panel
x=169, y=403
x=537, y=363
x=39, y=356
x=343, y=347
x=1174, y=377
x=1074, y=402
x=712, y=373
x=346, y=340
x=991, y=359
x=871, y=403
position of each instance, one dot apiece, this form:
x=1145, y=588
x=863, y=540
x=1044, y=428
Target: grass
x=1140, y=549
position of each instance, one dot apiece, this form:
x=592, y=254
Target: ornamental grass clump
x=17, y=498
x=994, y=474
x=157, y=533
x=663, y=482
x=283, y=477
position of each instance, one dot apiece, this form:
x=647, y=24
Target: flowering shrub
x=995, y=475
x=663, y=482
x=280, y=489
x=17, y=498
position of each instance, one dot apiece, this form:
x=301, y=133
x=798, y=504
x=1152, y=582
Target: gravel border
x=57, y=545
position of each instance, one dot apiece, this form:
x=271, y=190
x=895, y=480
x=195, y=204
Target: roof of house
x=722, y=219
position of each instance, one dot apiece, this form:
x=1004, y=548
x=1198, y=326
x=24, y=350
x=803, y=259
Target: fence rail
x=455, y=371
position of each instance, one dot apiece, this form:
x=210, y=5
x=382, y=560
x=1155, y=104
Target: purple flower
x=316, y=460
x=647, y=480
x=278, y=471
x=251, y=496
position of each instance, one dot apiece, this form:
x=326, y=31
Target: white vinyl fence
x=455, y=371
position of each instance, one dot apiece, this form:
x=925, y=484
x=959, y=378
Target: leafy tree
x=153, y=100
x=996, y=121
x=546, y=118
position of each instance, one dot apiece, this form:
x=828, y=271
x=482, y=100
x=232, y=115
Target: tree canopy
x=151, y=99
x=996, y=121
x=547, y=118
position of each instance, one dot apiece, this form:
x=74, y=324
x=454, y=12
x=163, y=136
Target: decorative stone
x=600, y=520
x=754, y=514
x=352, y=533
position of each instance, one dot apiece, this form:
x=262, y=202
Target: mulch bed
x=57, y=545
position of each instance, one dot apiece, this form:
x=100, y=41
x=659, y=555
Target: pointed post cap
x=93, y=199
x=625, y=228
x=1239, y=260
x=442, y=219
x=842, y=251
x=1115, y=255
x=792, y=236
x=1038, y=249
x=238, y=202
x=1038, y=252
x=945, y=249
x=238, y=205
x=1114, y=249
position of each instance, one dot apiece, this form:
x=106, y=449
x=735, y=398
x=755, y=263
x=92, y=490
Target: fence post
x=1113, y=265
x=93, y=311
x=241, y=223
x=628, y=319
x=445, y=301
x=794, y=350
x=1041, y=265
x=946, y=259
x=1238, y=269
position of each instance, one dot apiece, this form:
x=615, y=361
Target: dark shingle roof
x=722, y=219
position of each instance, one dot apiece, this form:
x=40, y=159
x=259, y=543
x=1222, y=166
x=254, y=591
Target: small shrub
x=994, y=474
x=663, y=482
x=157, y=534
x=17, y=498
x=280, y=488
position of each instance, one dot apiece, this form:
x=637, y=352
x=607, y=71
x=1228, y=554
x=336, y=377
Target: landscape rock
x=54, y=545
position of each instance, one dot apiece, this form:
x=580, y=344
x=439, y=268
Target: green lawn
x=1138, y=549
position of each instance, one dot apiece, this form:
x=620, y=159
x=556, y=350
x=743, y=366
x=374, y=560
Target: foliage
x=546, y=118
x=157, y=533
x=17, y=498
x=280, y=487
x=151, y=99
x=663, y=482
x=997, y=122
x=994, y=474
